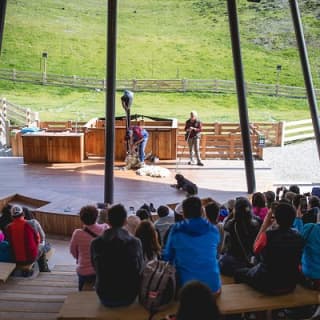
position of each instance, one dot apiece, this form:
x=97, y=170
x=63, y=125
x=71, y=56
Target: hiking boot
x=45, y=269
x=200, y=164
x=27, y=273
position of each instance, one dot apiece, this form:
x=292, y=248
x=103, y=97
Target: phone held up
x=303, y=204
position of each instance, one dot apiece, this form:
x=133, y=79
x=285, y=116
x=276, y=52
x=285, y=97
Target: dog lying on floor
x=186, y=185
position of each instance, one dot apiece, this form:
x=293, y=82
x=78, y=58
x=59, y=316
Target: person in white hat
x=24, y=241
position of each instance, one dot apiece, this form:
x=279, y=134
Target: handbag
x=250, y=259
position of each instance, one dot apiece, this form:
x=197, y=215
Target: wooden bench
x=226, y=279
x=240, y=298
x=6, y=269
x=234, y=299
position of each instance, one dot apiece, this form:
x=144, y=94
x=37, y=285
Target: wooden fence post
x=231, y=145
x=28, y=117
x=203, y=147
x=282, y=132
x=36, y=119
x=217, y=128
x=184, y=85
x=44, y=77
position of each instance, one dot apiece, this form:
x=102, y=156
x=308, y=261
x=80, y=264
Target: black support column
x=110, y=101
x=296, y=17
x=242, y=103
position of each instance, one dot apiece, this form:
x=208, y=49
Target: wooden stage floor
x=69, y=186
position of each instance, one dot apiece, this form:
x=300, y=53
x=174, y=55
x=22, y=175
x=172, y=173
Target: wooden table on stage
x=50, y=147
x=162, y=140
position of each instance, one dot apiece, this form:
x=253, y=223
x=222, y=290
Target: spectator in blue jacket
x=310, y=261
x=192, y=247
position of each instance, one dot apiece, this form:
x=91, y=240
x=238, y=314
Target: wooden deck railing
x=221, y=141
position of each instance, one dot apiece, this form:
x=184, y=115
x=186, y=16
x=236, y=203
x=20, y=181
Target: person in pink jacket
x=81, y=241
x=259, y=207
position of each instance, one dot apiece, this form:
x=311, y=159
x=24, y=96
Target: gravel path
x=296, y=163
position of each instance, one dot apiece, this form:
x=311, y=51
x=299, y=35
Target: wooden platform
x=220, y=179
x=65, y=188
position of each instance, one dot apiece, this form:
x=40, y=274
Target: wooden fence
x=149, y=85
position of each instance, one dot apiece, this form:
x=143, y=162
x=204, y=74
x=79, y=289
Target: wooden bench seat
x=6, y=269
x=234, y=299
x=240, y=298
x=86, y=305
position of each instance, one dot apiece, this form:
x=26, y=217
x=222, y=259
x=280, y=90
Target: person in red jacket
x=24, y=241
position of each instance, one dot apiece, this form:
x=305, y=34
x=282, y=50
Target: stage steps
x=5, y=151
x=38, y=298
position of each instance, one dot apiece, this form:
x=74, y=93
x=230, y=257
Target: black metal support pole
x=296, y=17
x=110, y=101
x=3, y=6
x=242, y=103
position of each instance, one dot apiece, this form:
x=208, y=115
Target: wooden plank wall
x=62, y=224
x=218, y=139
x=161, y=142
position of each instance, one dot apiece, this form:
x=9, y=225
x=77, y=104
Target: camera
x=282, y=188
x=303, y=204
x=274, y=206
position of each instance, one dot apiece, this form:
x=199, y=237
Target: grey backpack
x=158, y=286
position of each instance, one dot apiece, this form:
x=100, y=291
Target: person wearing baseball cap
x=25, y=241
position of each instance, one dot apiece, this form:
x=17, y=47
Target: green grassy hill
x=157, y=40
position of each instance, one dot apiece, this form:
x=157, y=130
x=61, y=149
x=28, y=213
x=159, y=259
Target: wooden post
x=36, y=119
x=217, y=128
x=44, y=78
x=231, y=145
x=203, y=147
x=7, y=132
x=28, y=117
x=184, y=85
x=283, y=129
x=4, y=108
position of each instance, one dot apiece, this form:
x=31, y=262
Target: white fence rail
x=12, y=115
x=297, y=130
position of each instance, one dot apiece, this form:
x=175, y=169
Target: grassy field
x=157, y=40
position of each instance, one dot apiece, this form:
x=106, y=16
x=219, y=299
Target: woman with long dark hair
x=240, y=233
x=147, y=233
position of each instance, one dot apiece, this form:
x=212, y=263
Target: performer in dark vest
x=193, y=129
